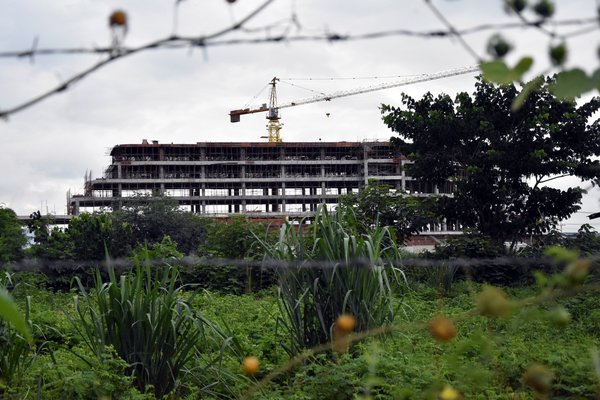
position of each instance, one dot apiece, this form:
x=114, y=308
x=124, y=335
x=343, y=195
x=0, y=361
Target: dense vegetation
x=423, y=331
x=187, y=308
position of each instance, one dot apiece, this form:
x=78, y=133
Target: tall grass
x=356, y=280
x=16, y=341
x=145, y=318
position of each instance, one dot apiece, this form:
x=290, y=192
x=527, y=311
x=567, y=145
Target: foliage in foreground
x=356, y=277
x=491, y=346
x=486, y=359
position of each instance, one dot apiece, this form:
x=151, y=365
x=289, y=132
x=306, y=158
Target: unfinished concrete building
x=256, y=179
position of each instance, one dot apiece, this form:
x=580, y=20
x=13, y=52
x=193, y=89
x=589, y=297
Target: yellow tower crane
x=272, y=110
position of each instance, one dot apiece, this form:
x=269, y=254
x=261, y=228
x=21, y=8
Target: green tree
x=12, y=238
x=93, y=235
x=151, y=218
x=500, y=159
x=379, y=204
x=48, y=244
x=234, y=238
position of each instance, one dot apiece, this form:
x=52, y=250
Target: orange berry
x=492, y=302
x=539, y=378
x=578, y=270
x=346, y=323
x=442, y=329
x=250, y=365
x=118, y=18
x=448, y=393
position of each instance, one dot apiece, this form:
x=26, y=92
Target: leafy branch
x=491, y=302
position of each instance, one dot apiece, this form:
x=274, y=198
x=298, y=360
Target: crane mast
x=274, y=124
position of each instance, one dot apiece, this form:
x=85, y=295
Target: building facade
x=256, y=179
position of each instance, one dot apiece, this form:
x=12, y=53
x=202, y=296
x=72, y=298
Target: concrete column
x=282, y=195
x=365, y=164
x=403, y=176
x=243, y=197
x=75, y=210
x=119, y=171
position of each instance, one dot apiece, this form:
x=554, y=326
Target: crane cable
x=354, y=78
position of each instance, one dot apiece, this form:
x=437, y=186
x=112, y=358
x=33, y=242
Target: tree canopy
x=497, y=158
x=12, y=238
x=380, y=204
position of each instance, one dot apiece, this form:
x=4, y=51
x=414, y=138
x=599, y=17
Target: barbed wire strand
x=34, y=264
x=198, y=41
x=452, y=29
x=117, y=54
x=176, y=42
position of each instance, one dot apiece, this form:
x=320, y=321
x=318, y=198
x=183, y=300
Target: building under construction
x=263, y=179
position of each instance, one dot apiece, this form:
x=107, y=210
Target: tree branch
x=452, y=29
x=180, y=42
x=117, y=54
x=554, y=177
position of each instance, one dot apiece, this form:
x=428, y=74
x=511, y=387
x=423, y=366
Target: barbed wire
x=178, y=42
x=120, y=52
x=35, y=264
x=175, y=41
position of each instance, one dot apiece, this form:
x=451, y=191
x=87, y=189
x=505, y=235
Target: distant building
x=270, y=180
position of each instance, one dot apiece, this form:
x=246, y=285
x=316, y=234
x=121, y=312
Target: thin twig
x=122, y=53
x=452, y=29
x=404, y=327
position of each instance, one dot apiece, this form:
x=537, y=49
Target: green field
x=486, y=360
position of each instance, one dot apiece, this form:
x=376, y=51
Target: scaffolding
x=256, y=179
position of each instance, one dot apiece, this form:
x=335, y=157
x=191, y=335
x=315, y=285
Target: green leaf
x=571, y=83
x=529, y=87
x=560, y=254
x=9, y=312
x=496, y=71
x=523, y=66
x=596, y=79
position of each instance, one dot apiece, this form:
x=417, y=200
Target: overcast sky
x=184, y=95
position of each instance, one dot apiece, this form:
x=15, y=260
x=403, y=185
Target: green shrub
x=143, y=316
x=61, y=374
x=356, y=281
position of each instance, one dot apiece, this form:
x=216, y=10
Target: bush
x=311, y=297
x=144, y=317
